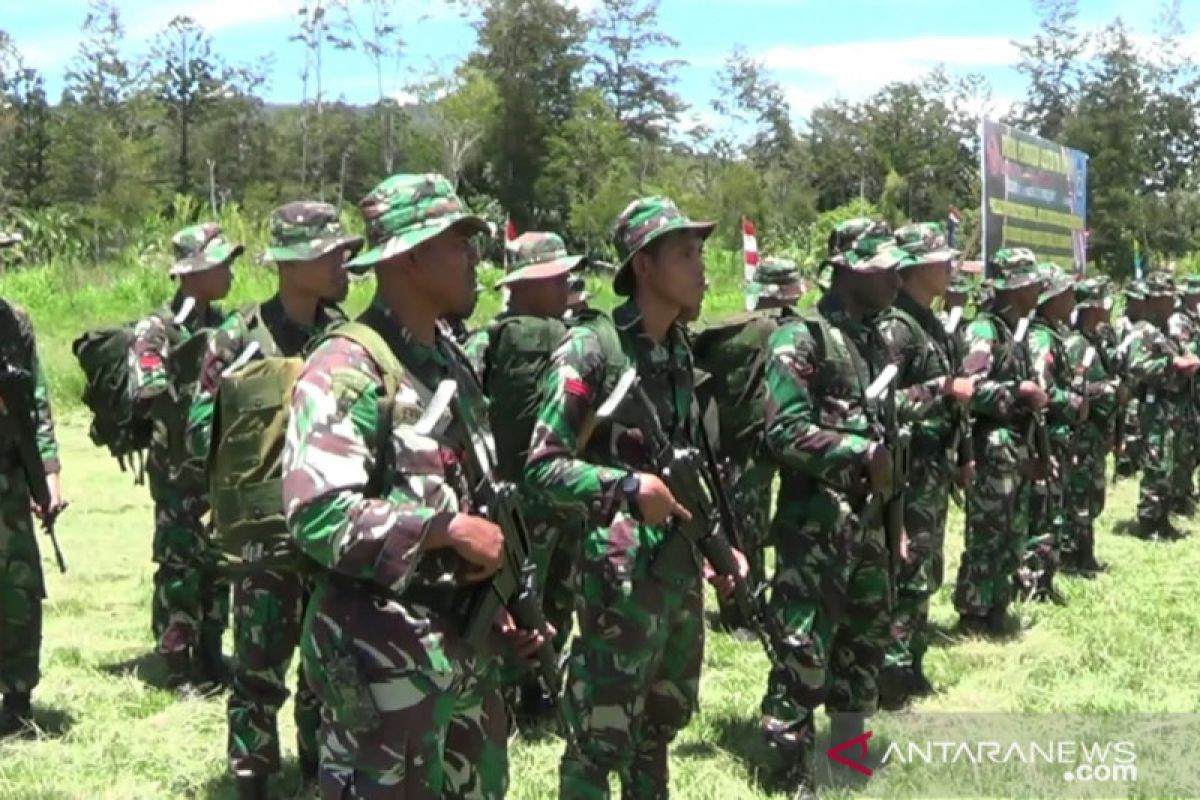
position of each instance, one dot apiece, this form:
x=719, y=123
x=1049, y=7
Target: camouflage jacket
x=1054, y=373
x=1149, y=365
x=1000, y=365
x=154, y=337
x=919, y=345
x=334, y=443
x=1182, y=327
x=577, y=464
x=1100, y=382
x=18, y=346
x=819, y=422
x=276, y=336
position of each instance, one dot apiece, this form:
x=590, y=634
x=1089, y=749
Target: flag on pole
x=749, y=258
x=510, y=238
x=953, y=220
x=1139, y=264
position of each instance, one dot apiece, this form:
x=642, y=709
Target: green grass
x=1125, y=643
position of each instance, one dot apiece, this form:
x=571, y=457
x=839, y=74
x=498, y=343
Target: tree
x=315, y=32
x=747, y=93
x=1050, y=64
x=381, y=43
x=461, y=112
x=636, y=85
x=27, y=148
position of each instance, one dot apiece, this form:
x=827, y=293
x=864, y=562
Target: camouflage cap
x=872, y=256
x=10, y=239
x=1092, y=293
x=777, y=278
x=1160, y=284
x=1191, y=284
x=1136, y=290
x=1014, y=268
x=1055, y=281
x=307, y=230
x=534, y=256
x=960, y=283
x=847, y=235
x=643, y=221
x=201, y=247
x=405, y=210
x=926, y=243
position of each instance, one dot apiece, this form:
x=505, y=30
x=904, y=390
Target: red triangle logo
x=835, y=753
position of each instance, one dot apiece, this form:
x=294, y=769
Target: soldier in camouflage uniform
x=1006, y=395
x=409, y=708
x=1129, y=438
x=1184, y=328
x=633, y=674
x=1091, y=441
x=1164, y=373
x=22, y=588
x=310, y=250
x=529, y=331
x=1066, y=411
x=190, y=606
x=933, y=406
x=830, y=594
x=578, y=297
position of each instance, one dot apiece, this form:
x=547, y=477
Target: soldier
x=1128, y=438
x=633, y=673
x=269, y=599
x=190, y=606
x=831, y=588
x=1005, y=399
x=1165, y=374
x=1091, y=441
x=409, y=707
x=934, y=406
x=734, y=352
x=577, y=300
x=1066, y=410
x=22, y=587
x=1184, y=328
x=510, y=356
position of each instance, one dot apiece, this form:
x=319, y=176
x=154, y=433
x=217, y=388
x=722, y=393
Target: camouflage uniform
x=190, y=605
x=633, y=673
x=1184, y=330
x=1129, y=459
x=1052, y=371
x=1086, y=479
x=830, y=592
x=268, y=602
x=1164, y=392
x=927, y=357
x=408, y=707
x=998, y=499
x=22, y=588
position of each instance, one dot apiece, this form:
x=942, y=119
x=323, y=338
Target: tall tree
x=460, y=112
x=635, y=81
x=316, y=32
x=379, y=39
x=27, y=147
x=748, y=93
x=1050, y=63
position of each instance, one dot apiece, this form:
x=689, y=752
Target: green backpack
x=519, y=352
x=734, y=354
x=245, y=462
x=103, y=355
x=169, y=410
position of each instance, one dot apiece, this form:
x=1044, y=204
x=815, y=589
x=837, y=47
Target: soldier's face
x=1058, y=309
x=542, y=298
x=445, y=271
x=1160, y=306
x=1025, y=298
x=324, y=278
x=676, y=271
x=877, y=290
x=211, y=284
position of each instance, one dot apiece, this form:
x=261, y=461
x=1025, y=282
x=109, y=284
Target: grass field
x=1126, y=643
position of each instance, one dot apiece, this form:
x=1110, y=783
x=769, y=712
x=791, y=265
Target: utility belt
x=443, y=600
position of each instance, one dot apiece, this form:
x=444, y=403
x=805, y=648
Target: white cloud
x=214, y=15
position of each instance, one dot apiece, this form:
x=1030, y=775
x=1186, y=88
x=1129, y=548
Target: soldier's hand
x=56, y=499
x=1124, y=395
x=655, y=502
x=1084, y=409
x=879, y=469
x=725, y=584
x=904, y=545
x=524, y=643
x=479, y=542
x=959, y=389
x=965, y=475
x=1033, y=394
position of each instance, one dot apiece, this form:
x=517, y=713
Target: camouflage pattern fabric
x=1182, y=328
x=633, y=672
x=919, y=345
x=537, y=255
x=22, y=588
x=830, y=591
x=642, y=222
x=188, y=595
x=998, y=499
x=307, y=230
x=201, y=247
x=408, y=708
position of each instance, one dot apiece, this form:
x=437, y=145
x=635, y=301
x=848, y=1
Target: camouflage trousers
x=189, y=596
x=1157, y=491
x=1130, y=459
x=22, y=589
x=830, y=601
x=926, y=504
x=996, y=528
x=1087, y=487
x=405, y=711
x=1047, y=529
x=268, y=612
x=1186, y=443
x=633, y=676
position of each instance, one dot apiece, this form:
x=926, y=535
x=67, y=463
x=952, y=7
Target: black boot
x=974, y=625
x=895, y=687
x=16, y=715
x=179, y=668
x=996, y=621
x=252, y=787
x=209, y=664
x=920, y=685
x=1089, y=566
x=310, y=769
x=794, y=749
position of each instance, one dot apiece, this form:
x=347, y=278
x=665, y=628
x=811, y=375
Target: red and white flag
x=749, y=256
x=510, y=239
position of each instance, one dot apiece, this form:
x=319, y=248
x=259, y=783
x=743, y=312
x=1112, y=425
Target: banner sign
x=1034, y=195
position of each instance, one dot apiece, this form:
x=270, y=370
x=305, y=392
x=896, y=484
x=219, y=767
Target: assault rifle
x=962, y=442
x=897, y=439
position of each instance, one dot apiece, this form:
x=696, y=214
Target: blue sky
x=817, y=49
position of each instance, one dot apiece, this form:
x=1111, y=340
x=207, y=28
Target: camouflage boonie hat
x=643, y=221
x=1136, y=290
x=1055, y=281
x=406, y=210
x=1092, y=293
x=872, y=256
x=960, y=283
x=534, y=256
x=307, y=230
x=1014, y=268
x=926, y=243
x=201, y=247
x=1160, y=284
x=1191, y=285
x=10, y=239
x=849, y=234
x=776, y=278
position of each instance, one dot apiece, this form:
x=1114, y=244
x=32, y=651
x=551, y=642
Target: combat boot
x=1088, y=564
x=920, y=685
x=208, y=663
x=794, y=747
x=895, y=687
x=310, y=769
x=179, y=668
x=253, y=787
x=16, y=714
x=996, y=620
x=974, y=625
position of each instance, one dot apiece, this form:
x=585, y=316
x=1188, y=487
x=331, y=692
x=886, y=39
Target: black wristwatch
x=631, y=484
